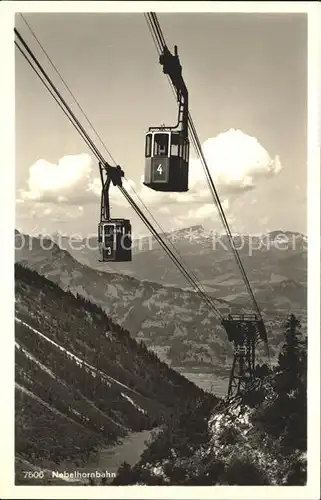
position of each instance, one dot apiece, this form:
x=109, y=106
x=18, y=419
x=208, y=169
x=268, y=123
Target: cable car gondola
x=114, y=240
x=166, y=160
x=167, y=148
x=114, y=235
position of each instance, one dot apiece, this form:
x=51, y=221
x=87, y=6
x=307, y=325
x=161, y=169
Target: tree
x=292, y=363
x=124, y=474
x=297, y=475
x=286, y=417
x=244, y=472
x=291, y=386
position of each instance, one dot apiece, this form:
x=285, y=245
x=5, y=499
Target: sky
x=247, y=81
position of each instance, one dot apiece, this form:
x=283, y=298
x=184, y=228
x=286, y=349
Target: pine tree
x=124, y=475
x=285, y=417
x=292, y=363
x=290, y=408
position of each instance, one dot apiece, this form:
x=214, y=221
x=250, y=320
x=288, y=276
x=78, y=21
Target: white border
x=7, y=165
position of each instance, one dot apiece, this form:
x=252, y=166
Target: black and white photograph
x=161, y=250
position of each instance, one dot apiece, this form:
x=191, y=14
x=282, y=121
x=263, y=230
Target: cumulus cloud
x=49, y=211
x=164, y=210
x=200, y=214
x=72, y=180
x=203, y=211
x=236, y=162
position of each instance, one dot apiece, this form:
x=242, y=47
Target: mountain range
x=151, y=299
x=273, y=257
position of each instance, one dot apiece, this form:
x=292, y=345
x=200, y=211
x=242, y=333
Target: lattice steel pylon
x=244, y=331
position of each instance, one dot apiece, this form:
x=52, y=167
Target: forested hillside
x=81, y=380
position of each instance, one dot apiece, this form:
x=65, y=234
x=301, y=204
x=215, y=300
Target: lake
x=208, y=382
x=129, y=450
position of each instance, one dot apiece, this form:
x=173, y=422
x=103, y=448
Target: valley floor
x=106, y=462
x=129, y=450
x=208, y=382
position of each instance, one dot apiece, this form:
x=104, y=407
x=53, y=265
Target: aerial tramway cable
x=158, y=39
x=110, y=155
x=43, y=76
x=160, y=44
x=71, y=116
x=68, y=88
